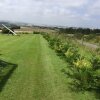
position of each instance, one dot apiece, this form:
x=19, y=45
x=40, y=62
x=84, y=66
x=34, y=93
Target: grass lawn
x=38, y=73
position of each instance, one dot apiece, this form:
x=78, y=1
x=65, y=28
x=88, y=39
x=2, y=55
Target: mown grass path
x=38, y=75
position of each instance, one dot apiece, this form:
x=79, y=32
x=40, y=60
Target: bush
x=82, y=78
x=96, y=68
x=25, y=33
x=56, y=44
x=52, y=42
x=5, y=31
x=98, y=50
x=97, y=39
x=96, y=80
x=86, y=74
x=83, y=64
x=95, y=62
x=46, y=36
x=65, y=47
x=81, y=73
x=78, y=35
x=90, y=37
x=72, y=55
x=36, y=32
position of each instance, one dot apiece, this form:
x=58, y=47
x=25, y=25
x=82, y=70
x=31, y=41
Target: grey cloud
x=61, y=12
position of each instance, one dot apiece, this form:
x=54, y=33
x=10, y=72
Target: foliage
x=73, y=30
x=52, y=42
x=90, y=36
x=85, y=73
x=82, y=78
x=95, y=60
x=98, y=50
x=55, y=43
x=24, y=33
x=36, y=32
x=72, y=54
x=46, y=36
x=83, y=64
x=5, y=31
x=78, y=35
x=15, y=27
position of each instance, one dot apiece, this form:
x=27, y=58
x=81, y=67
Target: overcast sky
x=83, y=13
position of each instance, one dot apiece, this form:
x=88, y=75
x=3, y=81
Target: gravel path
x=88, y=44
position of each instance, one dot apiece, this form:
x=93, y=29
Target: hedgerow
x=85, y=73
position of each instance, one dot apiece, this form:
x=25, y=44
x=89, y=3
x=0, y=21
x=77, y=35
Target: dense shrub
x=85, y=73
x=78, y=35
x=96, y=80
x=46, y=36
x=65, y=47
x=52, y=42
x=98, y=50
x=82, y=74
x=81, y=78
x=36, y=32
x=62, y=48
x=96, y=68
x=83, y=64
x=95, y=62
x=56, y=44
x=90, y=36
x=5, y=31
x=24, y=33
x=72, y=54
x=97, y=39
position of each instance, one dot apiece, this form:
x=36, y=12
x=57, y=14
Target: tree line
x=71, y=30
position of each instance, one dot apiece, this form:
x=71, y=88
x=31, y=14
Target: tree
x=5, y=31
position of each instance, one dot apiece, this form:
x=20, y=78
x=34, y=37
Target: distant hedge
x=5, y=31
x=36, y=32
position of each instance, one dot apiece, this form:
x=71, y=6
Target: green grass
x=38, y=74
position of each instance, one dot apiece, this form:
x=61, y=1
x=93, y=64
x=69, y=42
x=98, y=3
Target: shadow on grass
x=6, y=70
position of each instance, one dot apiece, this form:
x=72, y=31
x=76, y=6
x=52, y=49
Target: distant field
x=38, y=74
x=31, y=29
